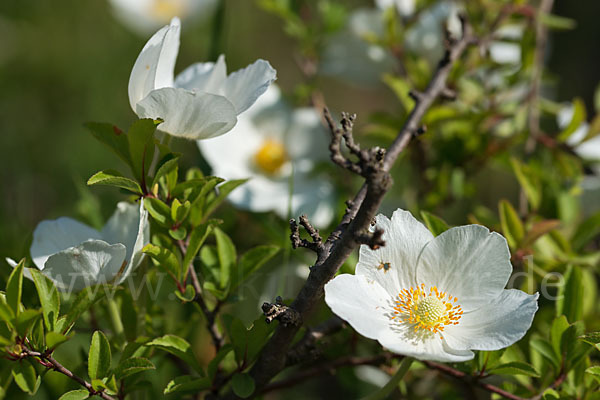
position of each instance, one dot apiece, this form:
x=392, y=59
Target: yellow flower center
x=167, y=9
x=271, y=156
x=426, y=310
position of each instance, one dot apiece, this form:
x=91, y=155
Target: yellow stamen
x=167, y=9
x=271, y=156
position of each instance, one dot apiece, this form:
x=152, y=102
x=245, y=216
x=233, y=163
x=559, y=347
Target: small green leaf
x=6, y=313
x=586, y=231
x=556, y=22
x=179, y=233
x=545, y=350
x=188, y=295
x=434, y=223
x=223, y=191
x=141, y=145
x=579, y=116
x=515, y=368
x=49, y=298
x=80, y=394
x=559, y=326
x=179, y=211
x=25, y=377
x=24, y=321
x=199, y=197
x=530, y=184
x=550, y=394
x=14, y=287
x=187, y=384
x=111, y=177
x=55, y=339
x=512, y=227
x=165, y=259
x=159, y=211
x=99, y=358
x=113, y=137
x=132, y=366
x=250, y=262
x=168, y=164
x=243, y=385
x=197, y=238
x=178, y=347
x=227, y=256
x=593, y=370
x=570, y=295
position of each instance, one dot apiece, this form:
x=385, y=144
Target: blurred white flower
x=404, y=7
x=202, y=101
x=588, y=149
x=277, y=148
x=433, y=298
x=75, y=256
x=146, y=16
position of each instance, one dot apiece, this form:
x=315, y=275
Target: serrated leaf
x=250, y=262
x=178, y=347
x=243, y=385
x=515, y=368
x=49, y=298
x=165, y=259
x=80, y=394
x=132, y=366
x=113, y=137
x=25, y=377
x=434, y=223
x=111, y=177
x=187, y=384
x=223, y=192
x=570, y=295
x=159, y=211
x=99, y=358
x=14, y=287
x=197, y=238
x=227, y=257
x=512, y=227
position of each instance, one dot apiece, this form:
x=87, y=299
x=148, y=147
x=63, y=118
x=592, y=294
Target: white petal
x=203, y=77
x=271, y=98
x=154, y=67
x=53, y=236
x=92, y=262
x=405, y=237
x=496, y=325
x=505, y=53
x=315, y=197
x=589, y=149
x=243, y=87
x=13, y=264
x=468, y=262
x=187, y=114
x=128, y=225
x=307, y=137
x=364, y=305
x=401, y=340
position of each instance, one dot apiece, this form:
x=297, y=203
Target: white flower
x=202, y=102
x=405, y=7
x=586, y=149
x=270, y=145
x=75, y=256
x=146, y=16
x=433, y=298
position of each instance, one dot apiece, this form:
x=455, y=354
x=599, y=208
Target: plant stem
x=385, y=391
x=115, y=318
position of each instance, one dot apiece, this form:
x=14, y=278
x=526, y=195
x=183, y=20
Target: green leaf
x=579, y=116
x=213, y=366
x=14, y=287
x=586, y=231
x=512, y=227
x=434, y=223
x=55, y=339
x=25, y=377
x=187, y=384
x=538, y=230
x=159, y=211
x=559, y=326
x=167, y=165
x=113, y=137
x=99, y=358
x=556, y=22
x=570, y=295
x=550, y=394
x=197, y=212
x=227, y=256
x=243, y=385
x=132, y=366
x=111, y=177
x=223, y=191
x=80, y=394
x=165, y=259
x=141, y=145
x=179, y=211
x=515, y=368
x=6, y=313
x=591, y=337
x=545, y=350
x=188, y=295
x=251, y=261
x=197, y=238
x=529, y=183
x=179, y=233
x=82, y=303
x=178, y=347
x=593, y=370
x=24, y=321
x=49, y=298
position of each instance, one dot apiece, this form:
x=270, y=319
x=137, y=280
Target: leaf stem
x=385, y=391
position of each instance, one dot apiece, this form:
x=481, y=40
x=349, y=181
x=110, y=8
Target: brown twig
x=316, y=242
x=278, y=311
x=49, y=362
x=305, y=349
